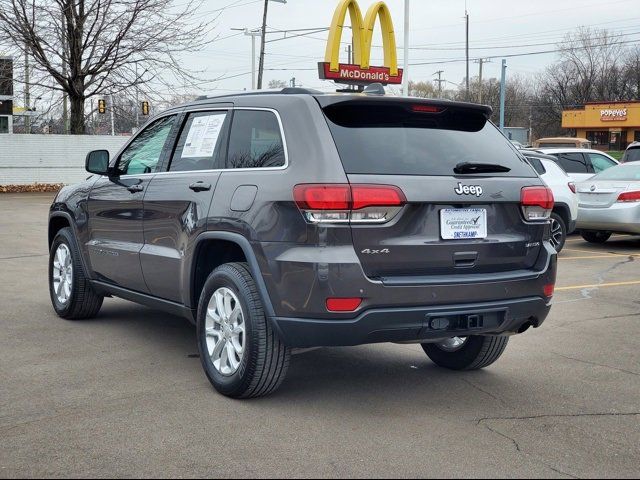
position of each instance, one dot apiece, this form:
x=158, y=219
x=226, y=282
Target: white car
x=565, y=211
x=580, y=163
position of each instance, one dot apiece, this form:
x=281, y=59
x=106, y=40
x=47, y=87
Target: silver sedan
x=610, y=203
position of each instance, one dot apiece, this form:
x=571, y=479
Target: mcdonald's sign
x=360, y=72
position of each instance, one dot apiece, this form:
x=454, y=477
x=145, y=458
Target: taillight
x=572, y=187
x=629, y=197
x=418, y=108
x=537, y=203
x=341, y=203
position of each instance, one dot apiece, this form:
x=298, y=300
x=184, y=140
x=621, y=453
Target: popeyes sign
x=360, y=72
x=613, y=115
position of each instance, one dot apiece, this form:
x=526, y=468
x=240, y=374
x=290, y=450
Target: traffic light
x=145, y=108
x=102, y=106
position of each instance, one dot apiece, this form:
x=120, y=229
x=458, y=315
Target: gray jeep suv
x=276, y=221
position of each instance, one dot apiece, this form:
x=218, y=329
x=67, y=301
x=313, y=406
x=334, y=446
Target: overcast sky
x=498, y=27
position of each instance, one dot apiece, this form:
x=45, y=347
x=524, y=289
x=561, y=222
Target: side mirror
x=98, y=162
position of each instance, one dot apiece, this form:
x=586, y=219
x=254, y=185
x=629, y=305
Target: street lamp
x=253, y=34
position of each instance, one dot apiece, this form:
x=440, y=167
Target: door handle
x=200, y=187
x=135, y=188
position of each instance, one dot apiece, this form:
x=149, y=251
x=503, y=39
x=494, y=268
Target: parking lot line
x=601, y=285
x=582, y=251
x=610, y=255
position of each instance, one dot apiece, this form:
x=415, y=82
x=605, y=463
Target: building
x=517, y=134
x=608, y=126
x=6, y=95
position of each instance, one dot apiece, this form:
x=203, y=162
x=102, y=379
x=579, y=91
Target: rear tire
x=256, y=361
x=477, y=352
x=558, y=232
x=596, y=236
x=75, y=298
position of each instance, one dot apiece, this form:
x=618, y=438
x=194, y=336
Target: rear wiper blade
x=472, y=167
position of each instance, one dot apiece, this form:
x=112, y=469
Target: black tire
x=84, y=302
x=265, y=360
x=476, y=353
x=558, y=222
x=596, y=236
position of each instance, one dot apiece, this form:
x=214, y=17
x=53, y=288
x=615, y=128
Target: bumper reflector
x=343, y=304
x=549, y=289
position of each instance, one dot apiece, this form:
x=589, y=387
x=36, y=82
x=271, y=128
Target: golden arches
x=362, y=35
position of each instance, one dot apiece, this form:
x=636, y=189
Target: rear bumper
x=620, y=217
x=414, y=324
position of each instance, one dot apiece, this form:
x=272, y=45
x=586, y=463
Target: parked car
x=562, y=142
x=610, y=203
x=565, y=210
x=632, y=154
x=299, y=219
x=580, y=163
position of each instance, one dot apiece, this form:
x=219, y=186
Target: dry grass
x=33, y=188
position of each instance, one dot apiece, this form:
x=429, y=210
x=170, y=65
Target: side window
x=573, y=162
x=600, y=162
x=255, y=140
x=143, y=153
x=200, y=143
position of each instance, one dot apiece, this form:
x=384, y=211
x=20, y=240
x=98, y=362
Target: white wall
x=27, y=159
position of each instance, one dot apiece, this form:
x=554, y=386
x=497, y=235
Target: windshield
x=395, y=140
x=632, y=155
x=621, y=172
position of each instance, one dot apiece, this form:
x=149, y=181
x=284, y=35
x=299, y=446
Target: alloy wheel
x=452, y=344
x=62, y=273
x=225, y=331
x=556, y=234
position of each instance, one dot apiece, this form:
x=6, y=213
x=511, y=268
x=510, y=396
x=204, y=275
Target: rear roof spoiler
x=328, y=100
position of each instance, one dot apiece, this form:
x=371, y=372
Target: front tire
x=240, y=352
x=470, y=353
x=71, y=293
x=596, y=236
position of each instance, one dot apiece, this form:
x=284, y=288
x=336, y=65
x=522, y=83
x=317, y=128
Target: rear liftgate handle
x=200, y=187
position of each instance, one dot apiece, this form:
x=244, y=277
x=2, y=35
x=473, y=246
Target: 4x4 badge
x=468, y=189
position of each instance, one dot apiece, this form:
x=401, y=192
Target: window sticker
x=203, y=136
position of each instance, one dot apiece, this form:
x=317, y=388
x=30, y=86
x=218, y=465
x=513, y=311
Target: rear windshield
x=621, y=172
x=632, y=155
x=394, y=140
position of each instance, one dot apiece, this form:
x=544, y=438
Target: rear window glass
x=394, y=140
x=622, y=172
x=537, y=165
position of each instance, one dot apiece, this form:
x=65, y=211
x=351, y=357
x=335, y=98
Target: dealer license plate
x=463, y=223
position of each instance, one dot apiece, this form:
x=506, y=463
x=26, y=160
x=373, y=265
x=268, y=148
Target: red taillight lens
x=537, y=203
x=572, y=187
x=343, y=304
x=376, y=196
x=549, y=289
x=341, y=203
x=537, y=197
x=629, y=197
x=323, y=197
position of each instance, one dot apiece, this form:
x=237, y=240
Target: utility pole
x=481, y=61
x=440, y=81
x=27, y=94
x=263, y=39
x=503, y=84
x=113, y=122
x=405, y=78
x=466, y=16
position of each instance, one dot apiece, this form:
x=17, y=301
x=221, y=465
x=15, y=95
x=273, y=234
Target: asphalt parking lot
x=124, y=394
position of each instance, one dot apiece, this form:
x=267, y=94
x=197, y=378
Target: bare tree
x=87, y=48
x=277, y=84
